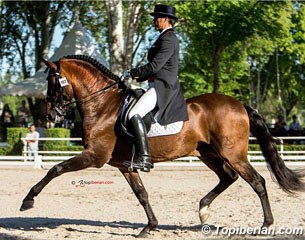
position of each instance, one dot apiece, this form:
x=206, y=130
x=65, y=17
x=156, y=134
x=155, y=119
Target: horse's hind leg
x=226, y=177
x=138, y=188
x=76, y=163
x=257, y=182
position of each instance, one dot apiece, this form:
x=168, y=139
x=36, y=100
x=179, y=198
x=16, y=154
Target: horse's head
x=59, y=93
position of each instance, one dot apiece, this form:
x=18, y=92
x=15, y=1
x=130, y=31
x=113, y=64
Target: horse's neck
x=91, y=105
x=87, y=87
x=100, y=115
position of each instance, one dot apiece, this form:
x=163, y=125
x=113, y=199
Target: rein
x=81, y=100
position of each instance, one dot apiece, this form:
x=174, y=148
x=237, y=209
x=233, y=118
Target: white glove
x=125, y=75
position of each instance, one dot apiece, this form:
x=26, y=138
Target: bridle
x=59, y=104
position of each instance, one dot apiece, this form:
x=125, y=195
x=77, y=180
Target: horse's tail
x=289, y=180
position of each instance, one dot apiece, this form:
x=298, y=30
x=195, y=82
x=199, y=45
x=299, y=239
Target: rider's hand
x=125, y=75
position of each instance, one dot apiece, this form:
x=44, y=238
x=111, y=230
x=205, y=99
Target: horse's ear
x=48, y=64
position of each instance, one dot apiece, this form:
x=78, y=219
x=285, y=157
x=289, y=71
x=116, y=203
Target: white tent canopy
x=76, y=42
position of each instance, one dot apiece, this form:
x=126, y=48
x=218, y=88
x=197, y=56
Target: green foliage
x=14, y=103
x=13, y=139
x=4, y=150
x=56, y=133
x=287, y=147
x=239, y=41
x=15, y=145
x=14, y=134
x=61, y=148
x=218, y=33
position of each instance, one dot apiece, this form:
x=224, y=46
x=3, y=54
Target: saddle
x=153, y=128
x=132, y=96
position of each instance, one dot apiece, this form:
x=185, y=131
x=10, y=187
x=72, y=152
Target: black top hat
x=164, y=10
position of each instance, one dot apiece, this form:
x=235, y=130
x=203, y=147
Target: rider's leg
x=145, y=104
x=142, y=155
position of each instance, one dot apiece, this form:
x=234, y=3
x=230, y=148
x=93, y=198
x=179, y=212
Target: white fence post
x=293, y=156
x=37, y=161
x=282, y=148
x=25, y=148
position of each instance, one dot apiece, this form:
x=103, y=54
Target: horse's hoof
x=204, y=214
x=28, y=204
x=143, y=235
x=267, y=223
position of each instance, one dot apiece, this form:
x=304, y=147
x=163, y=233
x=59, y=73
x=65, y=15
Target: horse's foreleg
x=76, y=163
x=138, y=188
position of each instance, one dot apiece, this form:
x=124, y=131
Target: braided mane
x=96, y=64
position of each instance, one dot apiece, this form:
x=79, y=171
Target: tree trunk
x=48, y=25
x=258, y=89
x=45, y=33
x=134, y=14
x=216, y=59
x=0, y=12
x=115, y=35
x=217, y=50
x=43, y=23
x=278, y=83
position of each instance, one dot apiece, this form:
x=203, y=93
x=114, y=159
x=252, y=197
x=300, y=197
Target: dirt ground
x=108, y=209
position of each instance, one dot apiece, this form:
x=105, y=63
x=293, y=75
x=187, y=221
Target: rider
x=164, y=90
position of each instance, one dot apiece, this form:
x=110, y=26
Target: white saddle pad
x=158, y=130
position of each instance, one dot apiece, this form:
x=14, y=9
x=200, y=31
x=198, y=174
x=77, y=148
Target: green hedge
x=14, y=134
x=56, y=133
x=4, y=151
x=63, y=148
x=15, y=145
x=287, y=147
x=13, y=139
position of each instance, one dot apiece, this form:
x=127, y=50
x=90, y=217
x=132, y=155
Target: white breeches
x=145, y=104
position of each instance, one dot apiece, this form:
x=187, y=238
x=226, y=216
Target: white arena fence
x=45, y=158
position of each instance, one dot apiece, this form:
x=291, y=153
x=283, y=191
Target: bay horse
x=217, y=132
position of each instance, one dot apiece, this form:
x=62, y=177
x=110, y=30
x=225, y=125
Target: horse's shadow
x=40, y=223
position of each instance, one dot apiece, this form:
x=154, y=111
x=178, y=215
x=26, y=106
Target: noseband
x=61, y=84
x=56, y=98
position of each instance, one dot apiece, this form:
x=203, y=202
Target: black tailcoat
x=162, y=67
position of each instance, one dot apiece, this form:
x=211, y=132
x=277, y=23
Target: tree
x=26, y=22
x=127, y=25
x=34, y=30
x=119, y=27
x=283, y=64
x=214, y=26
x=115, y=36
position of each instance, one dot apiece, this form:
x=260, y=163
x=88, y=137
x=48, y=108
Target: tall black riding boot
x=142, y=155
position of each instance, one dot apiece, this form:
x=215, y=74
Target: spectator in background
x=295, y=128
x=7, y=120
x=281, y=127
x=23, y=115
x=69, y=118
x=31, y=139
x=40, y=128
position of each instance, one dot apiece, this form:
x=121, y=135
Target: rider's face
x=160, y=23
